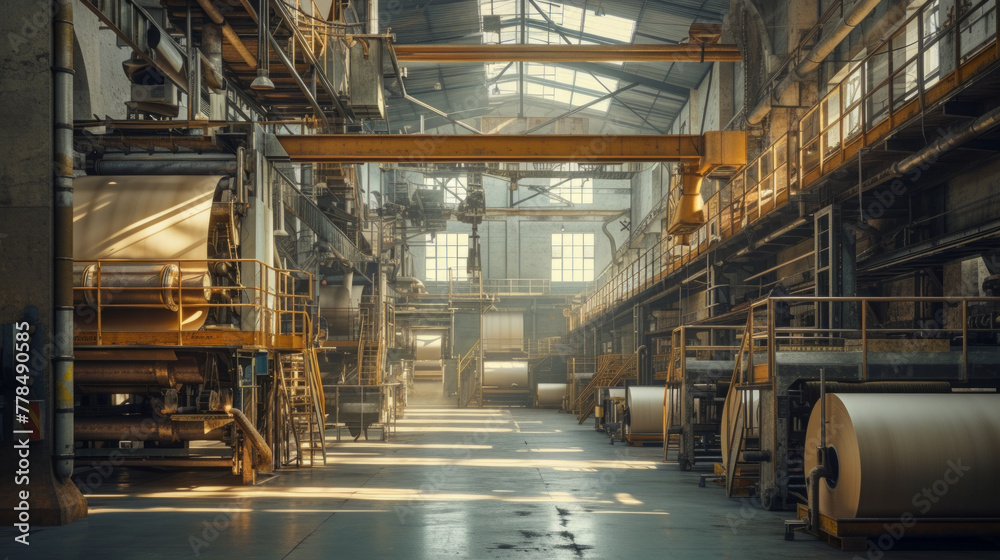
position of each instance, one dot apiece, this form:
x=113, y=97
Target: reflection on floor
x=455, y=483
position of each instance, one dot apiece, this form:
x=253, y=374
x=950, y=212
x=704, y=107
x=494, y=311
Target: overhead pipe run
x=947, y=143
x=227, y=31
x=611, y=239
x=814, y=57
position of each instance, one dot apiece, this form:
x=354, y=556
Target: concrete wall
x=100, y=85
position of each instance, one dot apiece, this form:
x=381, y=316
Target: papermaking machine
x=191, y=347
x=766, y=447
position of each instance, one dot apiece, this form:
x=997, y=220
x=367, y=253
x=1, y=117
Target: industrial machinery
x=609, y=415
x=786, y=349
x=192, y=346
x=698, y=375
x=950, y=439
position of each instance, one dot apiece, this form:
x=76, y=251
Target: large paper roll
x=503, y=332
x=506, y=375
x=428, y=346
x=551, y=394
x=920, y=454
x=159, y=218
x=645, y=406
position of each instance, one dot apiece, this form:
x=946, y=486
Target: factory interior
x=288, y=279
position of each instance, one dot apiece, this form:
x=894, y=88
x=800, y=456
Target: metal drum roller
x=125, y=284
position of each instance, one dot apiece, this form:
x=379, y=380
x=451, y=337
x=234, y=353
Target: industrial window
x=576, y=191
x=572, y=257
x=455, y=188
x=583, y=26
x=444, y=251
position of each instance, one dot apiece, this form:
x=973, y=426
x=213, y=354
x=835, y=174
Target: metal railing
x=877, y=338
x=912, y=69
x=107, y=293
x=498, y=286
x=693, y=344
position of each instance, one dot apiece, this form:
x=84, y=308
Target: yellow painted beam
x=554, y=212
x=568, y=53
x=472, y=148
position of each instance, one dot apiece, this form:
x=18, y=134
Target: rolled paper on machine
x=926, y=455
x=162, y=223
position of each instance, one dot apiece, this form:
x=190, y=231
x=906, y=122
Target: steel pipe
x=62, y=357
x=227, y=31
x=253, y=437
x=211, y=47
x=143, y=429
x=814, y=57
x=164, y=50
x=164, y=166
x=158, y=373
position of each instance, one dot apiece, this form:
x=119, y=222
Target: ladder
x=299, y=377
x=610, y=371
x=736, y=466
x=369, y=350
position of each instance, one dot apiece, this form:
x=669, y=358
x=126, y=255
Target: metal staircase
x=303, y=406
x=468, y=373
x=741, y=441
x=369, y=348
x=611, y=370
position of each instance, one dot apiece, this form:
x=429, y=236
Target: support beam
x=553, y=212
x=465, y=148
x=567, y=53
x=678, y=92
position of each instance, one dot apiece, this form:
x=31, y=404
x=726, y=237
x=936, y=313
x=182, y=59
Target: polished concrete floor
x=453, y=483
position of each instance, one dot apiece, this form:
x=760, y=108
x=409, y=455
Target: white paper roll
x=144, y=217
x=925, y=455
x=506, y=375
x=645, y=405
x=428, y=346
x=551, y=394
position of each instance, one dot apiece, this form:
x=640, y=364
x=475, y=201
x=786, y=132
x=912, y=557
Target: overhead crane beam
x=491, y=148
x=695, y=52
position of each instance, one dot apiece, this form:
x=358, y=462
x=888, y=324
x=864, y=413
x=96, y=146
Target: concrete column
x=26, y=258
